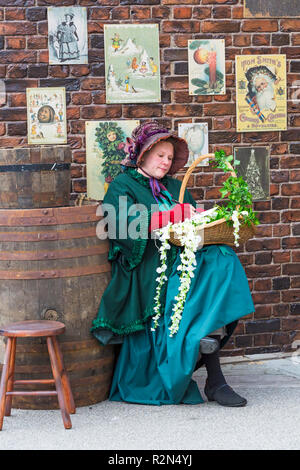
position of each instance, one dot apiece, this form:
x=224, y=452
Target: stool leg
x=4, y=378
x=11, y=373
x=58, y=384
x=64, y=378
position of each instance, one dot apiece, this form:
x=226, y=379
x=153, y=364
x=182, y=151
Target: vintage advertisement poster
x=261, y=103
x=206, y=67
x=46, y=115
x=67, y=35
x=132, y=68
x=254, y=168
x=105, y=142
x=196, y=136
x=271, y=8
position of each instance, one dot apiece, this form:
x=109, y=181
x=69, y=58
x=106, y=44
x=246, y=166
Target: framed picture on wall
x=206, y=66
x=105, y=142
x=261, y=93
x=132, y=67
x=254, y=167
x=271, y=8
x=46, y=115
x=196, y=136
x=67, y=35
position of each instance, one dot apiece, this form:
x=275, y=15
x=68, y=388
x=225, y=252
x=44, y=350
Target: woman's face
x=157, y=161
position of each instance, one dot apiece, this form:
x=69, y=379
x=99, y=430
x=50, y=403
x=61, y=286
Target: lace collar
x=144, y=180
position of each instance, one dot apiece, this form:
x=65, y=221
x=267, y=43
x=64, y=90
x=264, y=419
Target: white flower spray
x=189, y=234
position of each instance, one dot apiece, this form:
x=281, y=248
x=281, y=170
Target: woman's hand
x=179, y=213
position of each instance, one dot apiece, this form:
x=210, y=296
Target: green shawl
x=127, y=302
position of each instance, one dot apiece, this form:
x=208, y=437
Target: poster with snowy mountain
x=132, y=68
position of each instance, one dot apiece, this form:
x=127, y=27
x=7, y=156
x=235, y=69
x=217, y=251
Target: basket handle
x=191, y=168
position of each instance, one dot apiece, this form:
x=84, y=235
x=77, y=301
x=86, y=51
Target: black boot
x=224, y=395
x=216, y=388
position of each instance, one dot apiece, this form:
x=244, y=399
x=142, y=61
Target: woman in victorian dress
x=153, y=367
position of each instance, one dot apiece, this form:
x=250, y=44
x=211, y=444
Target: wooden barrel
x=33, y=177
x=54, y=267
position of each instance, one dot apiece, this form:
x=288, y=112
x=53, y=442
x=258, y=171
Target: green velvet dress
x=152, y=367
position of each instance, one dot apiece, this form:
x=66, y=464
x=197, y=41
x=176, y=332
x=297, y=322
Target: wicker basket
x=217, y=232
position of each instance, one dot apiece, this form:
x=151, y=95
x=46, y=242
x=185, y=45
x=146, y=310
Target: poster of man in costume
x=132, y=68
x=46, y=115
x=67, y=37
x=105, y=142
x=206, y=67
x=261, y=102
x=254, y=168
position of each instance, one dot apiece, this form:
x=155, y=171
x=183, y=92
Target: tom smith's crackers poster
x=261, y=93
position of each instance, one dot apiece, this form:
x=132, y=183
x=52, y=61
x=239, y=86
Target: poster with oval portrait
x=46, y=115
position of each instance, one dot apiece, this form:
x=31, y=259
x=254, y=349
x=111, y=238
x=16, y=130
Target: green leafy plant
x=203, y=85
x=237, y=192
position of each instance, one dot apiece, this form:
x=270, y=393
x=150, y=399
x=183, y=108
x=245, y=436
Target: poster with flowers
x=105, y=142
x=132, y=68
x=261, y=103
x=206, y=66
x=46, y=115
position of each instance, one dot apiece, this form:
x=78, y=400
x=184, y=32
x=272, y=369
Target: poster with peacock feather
x=105, y=142
x=206, y=66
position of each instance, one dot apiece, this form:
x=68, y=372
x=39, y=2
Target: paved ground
x=271, y=420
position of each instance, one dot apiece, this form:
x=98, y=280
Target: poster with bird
x=261, y=103
x=196, y=136
x=105, y=142
x=132, y=68
x=206, y=59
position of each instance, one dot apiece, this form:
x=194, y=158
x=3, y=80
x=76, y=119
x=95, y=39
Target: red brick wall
x=272, y=260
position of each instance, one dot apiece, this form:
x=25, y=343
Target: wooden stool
x=31, y=329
